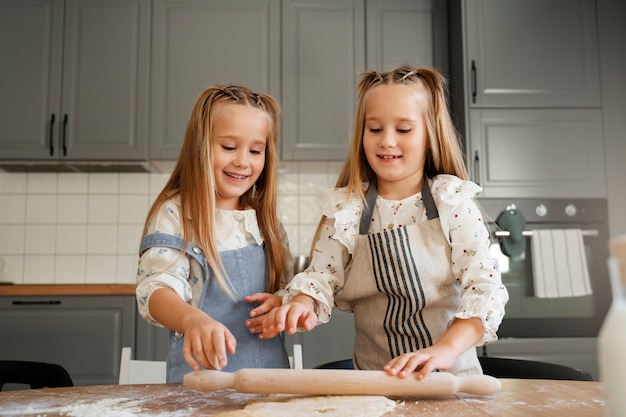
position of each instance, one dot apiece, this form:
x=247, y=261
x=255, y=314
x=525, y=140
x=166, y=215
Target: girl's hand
x=268, y=302
x=300, y=312
x=207, y=342
x=424, y=361
x=462, y=335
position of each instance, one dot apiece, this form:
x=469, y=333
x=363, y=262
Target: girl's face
x=395, y=138
x=239, y=139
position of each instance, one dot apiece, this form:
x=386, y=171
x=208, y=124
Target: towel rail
x=529, y=233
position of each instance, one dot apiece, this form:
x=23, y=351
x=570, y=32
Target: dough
x=326, y=406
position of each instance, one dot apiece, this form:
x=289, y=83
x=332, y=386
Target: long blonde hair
x=444, y=154
x=193, y=182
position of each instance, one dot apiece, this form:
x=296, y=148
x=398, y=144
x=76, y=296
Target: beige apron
x=401, y=289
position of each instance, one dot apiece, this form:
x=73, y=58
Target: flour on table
x=326, y=406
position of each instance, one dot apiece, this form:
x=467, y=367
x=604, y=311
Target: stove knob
x=570, y=210
x=541, y=210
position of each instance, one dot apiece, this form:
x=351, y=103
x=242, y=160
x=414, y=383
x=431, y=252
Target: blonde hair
x=444, y=154
x=193, y=181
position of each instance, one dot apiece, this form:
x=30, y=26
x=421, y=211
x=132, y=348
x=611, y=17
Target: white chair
x=140, y=372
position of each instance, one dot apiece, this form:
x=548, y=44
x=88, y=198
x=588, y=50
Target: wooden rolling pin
x=339, y=382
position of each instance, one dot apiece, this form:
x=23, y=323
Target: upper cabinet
x=198, y=43
x=326, y=44
x=531, y=53
x=74, y=79
x=526, y=93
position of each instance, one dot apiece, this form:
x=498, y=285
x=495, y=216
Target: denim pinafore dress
x=246, y=269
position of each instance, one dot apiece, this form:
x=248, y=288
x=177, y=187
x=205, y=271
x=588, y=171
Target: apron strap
x=370, y=201
x=173, y=242
x=429, y=201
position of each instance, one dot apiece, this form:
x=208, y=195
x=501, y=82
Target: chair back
x=505, y=368
x=527, y=369
x=34, y=374
x=134, y=371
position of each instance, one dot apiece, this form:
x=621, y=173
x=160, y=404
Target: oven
x=528, y=316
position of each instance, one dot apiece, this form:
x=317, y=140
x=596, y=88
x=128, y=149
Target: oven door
x=530, y=316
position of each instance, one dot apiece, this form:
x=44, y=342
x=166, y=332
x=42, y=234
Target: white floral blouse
x=325, y=276
x=161, y=267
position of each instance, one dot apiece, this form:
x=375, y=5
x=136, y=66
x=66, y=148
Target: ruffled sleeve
x=346, y=213
x=482, y=292
x=161, y=267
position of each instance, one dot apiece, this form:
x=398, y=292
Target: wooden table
x=518, y=398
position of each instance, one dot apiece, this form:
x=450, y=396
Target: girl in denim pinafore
x=214, y=255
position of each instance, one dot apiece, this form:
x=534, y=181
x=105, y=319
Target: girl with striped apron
x=401, y=289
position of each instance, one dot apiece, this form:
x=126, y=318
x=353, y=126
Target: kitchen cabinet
x=84, y=334
x=326, y=44
x=306, y=53
x=198, y=43
x=526, y=94
x=531, y=53
x=74, y=79
x=551, y=153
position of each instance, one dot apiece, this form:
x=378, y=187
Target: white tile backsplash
x=71, y=239
x=38, y=269
x=101, y=239
x=42, y=183
x=40, y=239
x=103, y=209
x=71, y=228
x=73, y=183
x=70, y=269
x=41, y=208
x=72, y=209
x=12, y=238
x=13, y=208
x=12, y=183
x=132, y=209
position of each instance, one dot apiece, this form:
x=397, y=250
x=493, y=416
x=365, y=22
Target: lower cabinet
x=84, y=334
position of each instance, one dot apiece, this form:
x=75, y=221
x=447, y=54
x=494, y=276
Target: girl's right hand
x=298, y=313
x=207, y=342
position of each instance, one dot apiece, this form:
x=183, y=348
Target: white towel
x=559, y=264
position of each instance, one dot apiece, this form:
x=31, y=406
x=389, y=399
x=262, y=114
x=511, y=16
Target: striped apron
x=401, y=289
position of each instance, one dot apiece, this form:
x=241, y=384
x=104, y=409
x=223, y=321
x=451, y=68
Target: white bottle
x=612, y=338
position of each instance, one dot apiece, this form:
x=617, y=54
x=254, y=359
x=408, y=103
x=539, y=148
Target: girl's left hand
x=268, y=302
x=424, y=361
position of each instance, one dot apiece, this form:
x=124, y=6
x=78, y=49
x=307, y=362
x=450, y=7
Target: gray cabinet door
x=531, y=53
x=198, y=43
x=74, y=79
x=323, y=53
x=548, y=153
x=31, y=35
x=105, y=80
x=406, y=32
x=84, y=334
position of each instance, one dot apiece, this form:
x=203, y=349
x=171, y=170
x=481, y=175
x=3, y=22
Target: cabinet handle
x=476, y=167
x=64, y=135
x=37, y=303
x=474, y=83
x=51, y=142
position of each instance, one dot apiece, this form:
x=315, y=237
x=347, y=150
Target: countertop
x=518, y=398
x=62, y=289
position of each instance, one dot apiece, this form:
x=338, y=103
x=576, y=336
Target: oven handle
x=529, y=233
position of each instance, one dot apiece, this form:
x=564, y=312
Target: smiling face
x=239, y=140
x=395, y=139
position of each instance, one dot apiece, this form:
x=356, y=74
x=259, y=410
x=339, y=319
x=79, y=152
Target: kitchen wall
x=79, y=228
